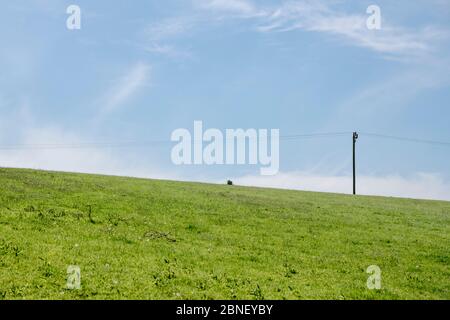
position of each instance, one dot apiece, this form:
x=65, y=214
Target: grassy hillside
x=147, y=239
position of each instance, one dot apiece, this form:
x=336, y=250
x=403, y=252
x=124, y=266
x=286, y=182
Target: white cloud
x=393, y=95
x=167, y=50
x=59, y=157
x=126, y=87
x=318, y=16
x=389, y=39
x=168, y=28
x=157, y=34
x=420, y=185
x=241, y=7
x=49, y=146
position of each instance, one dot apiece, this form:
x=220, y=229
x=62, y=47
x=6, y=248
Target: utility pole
x=355, y=137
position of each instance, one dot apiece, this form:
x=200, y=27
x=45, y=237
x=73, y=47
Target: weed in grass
x=154, y=235
x=257, y=293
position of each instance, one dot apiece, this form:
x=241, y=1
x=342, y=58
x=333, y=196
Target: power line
x=149, y=143
x=314, y=135
x=82, y=145
x=125, y=144
x=385, y=136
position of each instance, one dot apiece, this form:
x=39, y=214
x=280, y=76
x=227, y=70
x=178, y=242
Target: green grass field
x=150, y=239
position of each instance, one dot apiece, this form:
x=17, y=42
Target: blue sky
x=137, y=72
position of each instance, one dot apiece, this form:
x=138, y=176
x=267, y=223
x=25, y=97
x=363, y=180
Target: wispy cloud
x=167, y=50
x=241, y=8
x=352, y=28
x=419, y=185
x=168, y=28
x=319, y=16
x=391, y=96
x=126, y=87
x=158, y=37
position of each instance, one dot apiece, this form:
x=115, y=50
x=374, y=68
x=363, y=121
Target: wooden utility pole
x=355, y=137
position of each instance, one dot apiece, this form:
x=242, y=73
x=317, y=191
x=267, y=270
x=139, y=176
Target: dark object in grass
x=91, y=220
x=153, y=235
x=229, y=182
